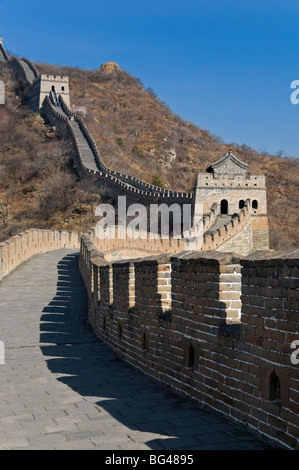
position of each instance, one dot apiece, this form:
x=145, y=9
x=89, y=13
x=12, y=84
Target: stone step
x=87, y=155
x=29, y=73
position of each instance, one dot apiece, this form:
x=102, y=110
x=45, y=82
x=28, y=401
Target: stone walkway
x=61, y=388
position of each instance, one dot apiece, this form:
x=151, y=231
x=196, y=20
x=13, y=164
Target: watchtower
x=228, y=183
x=43, y=85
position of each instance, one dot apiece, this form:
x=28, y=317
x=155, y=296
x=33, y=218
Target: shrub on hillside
x=57, y=193
x=157, y=181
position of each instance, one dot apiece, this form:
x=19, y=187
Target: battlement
x=209, y=325
x=19, y=248
x=54, y=78
x=231, y=181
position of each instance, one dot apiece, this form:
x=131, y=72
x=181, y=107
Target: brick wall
x=25, y=245
x=270, y=323
x=242, y=243
x=209, y=325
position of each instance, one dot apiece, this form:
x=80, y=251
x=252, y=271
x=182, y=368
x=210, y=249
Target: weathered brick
x=229, y=371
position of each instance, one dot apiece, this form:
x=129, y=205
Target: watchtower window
x=224, y=206
x=191, y=357
x=62, y=88
x=241, y=204
x=53, y=88
x=274, y=388
x=254, y=204
x=143, y=346
x=144, y=342
x=120, y=331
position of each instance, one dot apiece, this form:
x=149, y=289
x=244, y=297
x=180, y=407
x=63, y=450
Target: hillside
x=136, y=133
x=38, y=186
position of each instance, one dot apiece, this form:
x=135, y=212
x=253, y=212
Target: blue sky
x=225, y=65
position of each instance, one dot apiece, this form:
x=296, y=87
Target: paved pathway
x=61, y=388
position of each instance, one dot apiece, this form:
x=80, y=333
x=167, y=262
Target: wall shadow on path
x=89, y=367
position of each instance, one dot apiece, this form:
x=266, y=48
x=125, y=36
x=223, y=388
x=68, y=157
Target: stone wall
x=260, y=232
x=23, y=246
x=242, y=243
x=211, y=326
x=118, y=183
x=32, y=242
x=270, y=323
x=236, y=233
x=3, y=55
x=210, y=189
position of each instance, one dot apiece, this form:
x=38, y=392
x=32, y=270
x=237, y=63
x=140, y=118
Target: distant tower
x=1, y=40
x=43, y=85
x=227, y=184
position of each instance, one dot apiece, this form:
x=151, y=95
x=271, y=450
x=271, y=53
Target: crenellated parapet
x=54, y=78
x=213, y=327
x=19, y=248
x=225, y=180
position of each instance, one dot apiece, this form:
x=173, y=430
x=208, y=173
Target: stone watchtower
x=228, y=184
x=43, y=85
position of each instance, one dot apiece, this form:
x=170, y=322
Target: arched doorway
x=274, y=388
x=224, y=207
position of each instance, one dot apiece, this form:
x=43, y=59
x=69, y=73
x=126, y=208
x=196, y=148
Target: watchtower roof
x=229, y=164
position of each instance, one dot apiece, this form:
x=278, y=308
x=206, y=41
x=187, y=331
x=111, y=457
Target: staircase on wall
x=3, y=55
x=30, y=75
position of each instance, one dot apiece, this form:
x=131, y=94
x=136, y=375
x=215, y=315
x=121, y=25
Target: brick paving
x=61, y=388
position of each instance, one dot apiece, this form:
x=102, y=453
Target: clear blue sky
x=225, y=65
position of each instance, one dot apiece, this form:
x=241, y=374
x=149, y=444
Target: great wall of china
x=244, y=230
x=216, y=325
